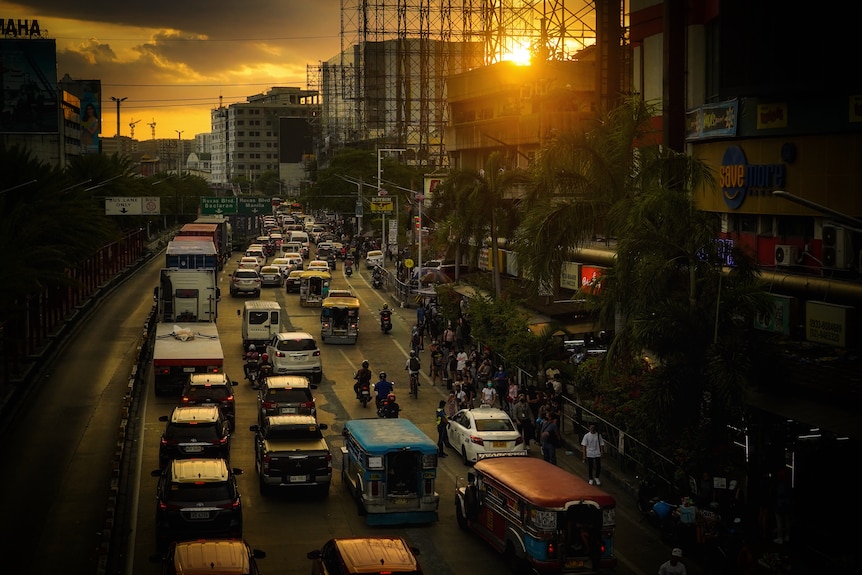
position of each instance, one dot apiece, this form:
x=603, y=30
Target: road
x=60, y=449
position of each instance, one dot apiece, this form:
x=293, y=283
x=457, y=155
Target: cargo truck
x=191, y=254
x=186, y=336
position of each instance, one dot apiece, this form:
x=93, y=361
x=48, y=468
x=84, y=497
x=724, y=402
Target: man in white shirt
x=489, y=394
x=593, y=445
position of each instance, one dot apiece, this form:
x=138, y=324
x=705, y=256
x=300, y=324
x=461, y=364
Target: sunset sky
x=172, y=60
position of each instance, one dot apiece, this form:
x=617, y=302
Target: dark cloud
x=197, y=51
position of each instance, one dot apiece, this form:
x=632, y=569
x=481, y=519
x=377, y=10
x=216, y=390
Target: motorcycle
x=386, y=321
x=252, y=372
x=264, y=371
x=363, y=394
x=348, y=270
x=376, y=280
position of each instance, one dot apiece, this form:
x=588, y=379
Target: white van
x=290, y=247
x=260, y=321
x=301, y=237
x=374, y=258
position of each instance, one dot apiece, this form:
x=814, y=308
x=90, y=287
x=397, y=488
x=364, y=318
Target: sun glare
x=519, y=55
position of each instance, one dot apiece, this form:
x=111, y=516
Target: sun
x=519, y=55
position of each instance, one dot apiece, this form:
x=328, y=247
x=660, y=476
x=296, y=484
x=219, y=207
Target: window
x=258, y=317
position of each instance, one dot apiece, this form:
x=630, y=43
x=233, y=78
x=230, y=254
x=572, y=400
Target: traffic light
x=417, y=223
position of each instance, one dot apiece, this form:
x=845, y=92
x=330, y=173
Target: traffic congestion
x=241, y=440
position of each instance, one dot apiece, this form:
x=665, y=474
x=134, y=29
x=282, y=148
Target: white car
x=249, y=263
x=295, y=353
x=373, y=259
x=484, y=432
x=283, y=265
x=318, y=266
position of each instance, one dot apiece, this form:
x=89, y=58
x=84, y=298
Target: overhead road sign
x=140, y=206
x=253, y=206
x=218, y=205
x=382, y=205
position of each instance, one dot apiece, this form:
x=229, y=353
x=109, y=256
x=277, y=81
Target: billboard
x=91, y=116
x=29, y=100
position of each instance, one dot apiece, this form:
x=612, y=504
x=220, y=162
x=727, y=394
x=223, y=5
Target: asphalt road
x=60, y=450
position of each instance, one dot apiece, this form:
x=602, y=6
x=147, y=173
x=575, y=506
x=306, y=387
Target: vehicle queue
x=389, y=474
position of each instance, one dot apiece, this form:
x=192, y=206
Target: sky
x=174, y=60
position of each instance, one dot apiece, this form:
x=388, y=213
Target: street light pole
x=383, y=245
x=118, y=101
x=179, y=152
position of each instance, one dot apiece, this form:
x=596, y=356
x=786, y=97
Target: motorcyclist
x=385, y=314
x=252, y=360
x=362, y=377
x=389, y=409
x=265, y=367
x=383, y=388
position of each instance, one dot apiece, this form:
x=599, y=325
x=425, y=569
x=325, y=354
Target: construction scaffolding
x=387, y=86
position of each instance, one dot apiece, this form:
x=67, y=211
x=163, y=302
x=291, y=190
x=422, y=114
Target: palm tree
x=577, y=179
x=475, y=202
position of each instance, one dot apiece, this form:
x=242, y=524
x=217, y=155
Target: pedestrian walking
x=674, y=565
x=436, y=362
x=524, y=419
x=593, y=445
x=442, y=424
x=461, y=358
x=550, y=438
x=450, y=369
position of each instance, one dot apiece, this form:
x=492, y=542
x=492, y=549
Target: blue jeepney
x=390, y=468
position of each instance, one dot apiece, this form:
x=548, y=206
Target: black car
x=195, y=431
x=211, y=388
x=197, y=498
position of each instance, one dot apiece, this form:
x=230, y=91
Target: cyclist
x=413, y=367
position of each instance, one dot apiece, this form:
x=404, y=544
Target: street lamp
x=179, y=152
x=383, y=244
x=118, y=101
x=381, y=193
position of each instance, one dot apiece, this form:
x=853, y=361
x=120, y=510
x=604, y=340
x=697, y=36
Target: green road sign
x=218, y=205
x=253, y=206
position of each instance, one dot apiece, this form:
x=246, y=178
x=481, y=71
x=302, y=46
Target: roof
x=340, y=301
x=212, y=557
x=199, y=470
x=292, y=419
x=373, y=554
x=542, y=483
x=194, y=413
x=379, y=435
x=207, y=378
x=284, y=381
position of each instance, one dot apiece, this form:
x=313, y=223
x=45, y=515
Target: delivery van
x=260, y=321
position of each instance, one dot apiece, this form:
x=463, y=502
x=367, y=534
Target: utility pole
x=118, y=101
x=179, y=152
x=382, y=193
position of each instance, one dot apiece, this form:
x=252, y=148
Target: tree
x=476, y=203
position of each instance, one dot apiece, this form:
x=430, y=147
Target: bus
x=390, y=467
x=545, y=518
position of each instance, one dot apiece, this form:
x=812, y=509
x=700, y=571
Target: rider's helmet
x=412, y=352
x=382, y=375
x=386, y=306
x=264, y=357
x=365, y=364
x=391, y=397
x=251, y=347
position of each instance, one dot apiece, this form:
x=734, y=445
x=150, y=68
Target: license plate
x=499, y=444
x=574, y=563
x=400, y=501
x=193, y=449
x=200, y=515
x=298, y=358
x=189, y=369
x=288, y=410
x=298, y=478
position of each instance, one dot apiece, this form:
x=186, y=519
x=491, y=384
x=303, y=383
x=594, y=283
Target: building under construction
x=388, y=85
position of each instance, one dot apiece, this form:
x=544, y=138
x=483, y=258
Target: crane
x=132, y=127
x=153, y=126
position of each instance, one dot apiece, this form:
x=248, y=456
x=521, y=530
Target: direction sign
x=123, y=207
x=218, y=205
x=253, y=206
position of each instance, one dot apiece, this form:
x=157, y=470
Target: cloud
x=177, y=58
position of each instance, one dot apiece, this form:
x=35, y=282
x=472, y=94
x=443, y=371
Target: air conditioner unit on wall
x=836, y=248
x=786, y=255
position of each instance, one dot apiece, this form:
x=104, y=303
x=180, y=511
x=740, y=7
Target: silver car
x=295, y=353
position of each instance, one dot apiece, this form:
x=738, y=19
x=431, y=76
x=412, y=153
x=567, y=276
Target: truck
x=187, y=295
x=181, y=349
x=186, y=337
x=216, y=230
x=192, y=254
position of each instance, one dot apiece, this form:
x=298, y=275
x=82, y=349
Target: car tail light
x=269, y=404
x=308, y=404
x=265, y=464
x=235, y=504
x=185, y=399
x=519, y=440
x=229, y=399
x=552, y=549
x=477, y=440
x=280, y=354
x=223, y=440
x=163, y=371
x=166, y=442
x=353, y=326
x=316, y=353
x=325, y=325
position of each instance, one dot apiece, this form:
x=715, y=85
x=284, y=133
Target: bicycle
x=414, y=385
